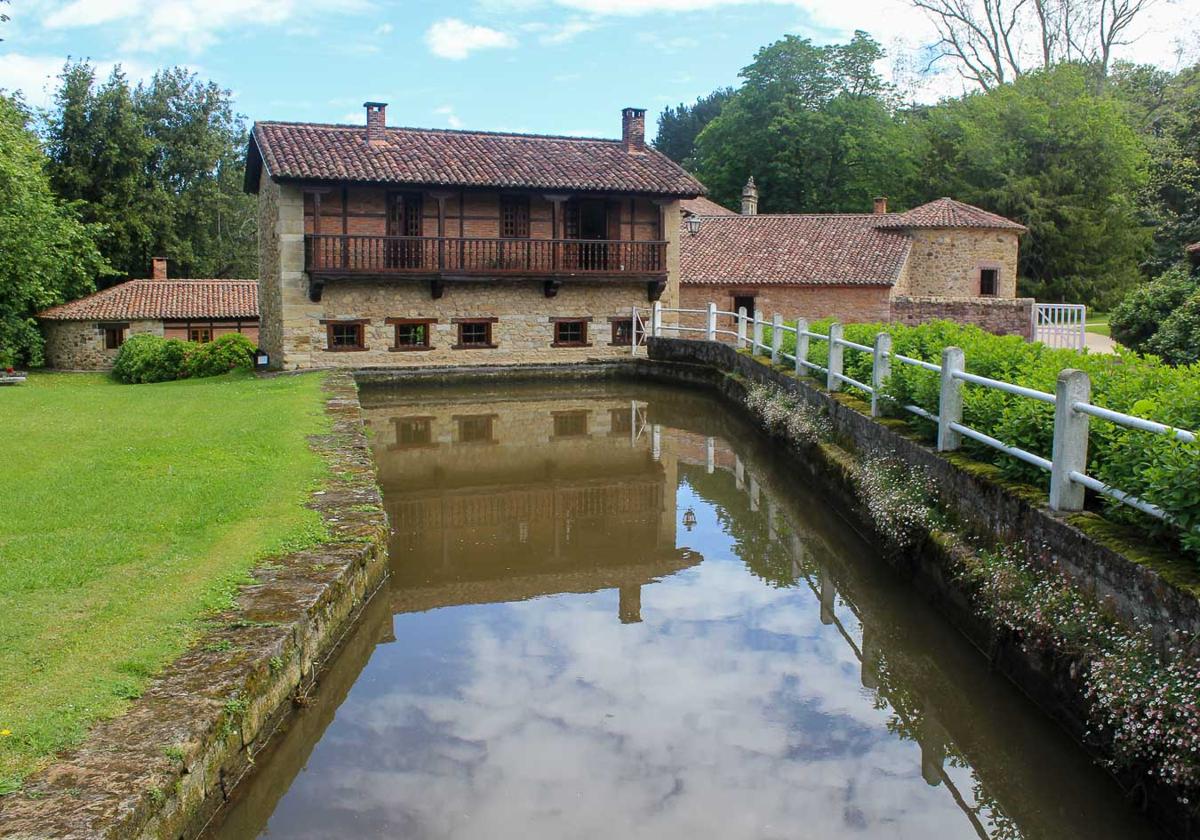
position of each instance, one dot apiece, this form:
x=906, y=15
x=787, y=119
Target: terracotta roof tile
x=704, y=207
x=311, y=151
x=1194, y=248
x=792, y=250
x=948, y=213
x=171, y=299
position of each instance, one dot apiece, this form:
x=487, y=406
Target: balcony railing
x=348, y=254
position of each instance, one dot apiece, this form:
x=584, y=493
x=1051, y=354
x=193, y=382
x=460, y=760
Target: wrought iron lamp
x=693, y=224
x=689, y=519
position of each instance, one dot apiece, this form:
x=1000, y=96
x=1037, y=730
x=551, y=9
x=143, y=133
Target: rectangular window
x=746, y=302
x=200, y=335
x=474, y=333
x=622, y=332
x=620, y=421
x=989, y=279
x=570, y=332
x=345, y=335
x=476, y=428
x=114, y=336
x=413, y=333
x=570, y=423
x=413, y=432
x=514, y=216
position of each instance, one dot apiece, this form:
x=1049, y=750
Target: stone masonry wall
x=1011, y=316
x=270, y=289
x=79, y=345
x=947, y=262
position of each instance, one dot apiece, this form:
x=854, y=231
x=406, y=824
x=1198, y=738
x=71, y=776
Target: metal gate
x=1060, y=325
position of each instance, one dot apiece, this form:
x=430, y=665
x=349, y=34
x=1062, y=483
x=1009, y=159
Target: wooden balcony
x=332, y=256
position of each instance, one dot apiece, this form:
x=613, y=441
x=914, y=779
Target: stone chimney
x=159, y=270
x=376, y=121
x=880, y=205
x=633, y=129
x=750, y=198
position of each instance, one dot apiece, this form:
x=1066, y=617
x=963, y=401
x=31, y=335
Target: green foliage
x=149, y=358
x=1160, y=470
x=158, y=165
x=1142, y=312
x=678, y=127
x=47, y=255
x=232, y=351
x=814, y=126
x=1178, y=339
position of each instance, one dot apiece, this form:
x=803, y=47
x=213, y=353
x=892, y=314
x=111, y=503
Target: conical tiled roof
x=948, y=213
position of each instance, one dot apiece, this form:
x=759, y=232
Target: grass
x=128, y=513
x=1098, y=323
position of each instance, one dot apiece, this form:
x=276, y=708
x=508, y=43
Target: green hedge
x=1160, y=470
x=152, y=358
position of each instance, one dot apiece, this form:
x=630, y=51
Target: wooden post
x=1070, y=447
x=836, y=352
x=950, y=400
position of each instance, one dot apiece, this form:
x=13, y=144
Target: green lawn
x=128, y=512
x=1098, y=323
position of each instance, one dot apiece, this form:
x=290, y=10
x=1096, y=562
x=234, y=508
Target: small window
x=620, y=422
x=989, y=279
x=514, y=216
x=474, y=334
x=476, y=428
x=200, y=335
x=746, y=302
x=413, y=432
x=413, y=334
x=114, y=337
x=570, y=423
x=622, y=332
x=570, y=333
x=345, y=335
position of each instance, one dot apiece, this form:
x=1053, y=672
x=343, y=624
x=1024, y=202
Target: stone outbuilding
x=86, y=334
x=944, y=259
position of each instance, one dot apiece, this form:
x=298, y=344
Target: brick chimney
x=880, y=205
x=633, y=129
x=376, y=121
x=159, y=268
x=750, y=198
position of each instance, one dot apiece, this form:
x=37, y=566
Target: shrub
x=1146, y=309
x=229, y=352
x=1177, y=341
x=149, y=358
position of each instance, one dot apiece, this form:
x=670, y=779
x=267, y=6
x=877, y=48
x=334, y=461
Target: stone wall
x=270, y=278
x=947, y=262
x=79, y=345
x=1011, y=316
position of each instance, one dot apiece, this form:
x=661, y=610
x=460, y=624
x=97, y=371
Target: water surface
x=615, y=613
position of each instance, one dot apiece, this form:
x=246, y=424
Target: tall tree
x=678, y=127
x=158, y=166
x=814, y=125
x=1050, y=151
x=47, y=255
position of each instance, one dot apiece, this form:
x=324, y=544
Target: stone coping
x=165, y=766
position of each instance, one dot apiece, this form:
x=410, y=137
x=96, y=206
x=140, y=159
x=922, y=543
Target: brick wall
x=79, y=345
x=849, y=304
x=1013, y=316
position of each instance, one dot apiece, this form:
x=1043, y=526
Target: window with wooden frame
x=570, y=332
x=200, y=335
x=569, y=424
x=345, y=336
x=622, y=331
x=412, y=333
x=474, y=333
x=989, y=281
x=413, y=432
x=476, y=428
x=514, y=216
x=114, y=335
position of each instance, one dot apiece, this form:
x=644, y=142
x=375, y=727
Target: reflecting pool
x=613, y=612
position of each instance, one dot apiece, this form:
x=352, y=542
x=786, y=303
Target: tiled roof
x=171, y=299
x=790, y=250
x=704, y=207
x=948, y=213
x=311, y=151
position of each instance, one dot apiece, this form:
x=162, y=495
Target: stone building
x=86, y=334
x=383, y=246
x=944, y=259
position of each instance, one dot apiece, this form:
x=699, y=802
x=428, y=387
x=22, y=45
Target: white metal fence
x=1072, y=409
x=1060, y=325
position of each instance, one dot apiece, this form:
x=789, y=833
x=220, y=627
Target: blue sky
x=558, y=66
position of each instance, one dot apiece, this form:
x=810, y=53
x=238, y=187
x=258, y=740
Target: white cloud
x=452, y=119
x=452, y=38
x=383, y=29
x=191, y=24
x=567, y=32
x=35, y=75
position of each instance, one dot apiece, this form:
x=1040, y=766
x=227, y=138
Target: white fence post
x=836, y=352
x=801, y=346
x=656, y=320
x=757, y=339
x=741, y=327
x=950, y=400
x=776, y=337
x=710, y=455
x=710, y=326
x=633, y=324
x=881, y=368
x=1069, y=451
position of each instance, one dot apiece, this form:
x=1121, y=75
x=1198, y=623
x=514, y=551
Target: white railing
x=1067, y=463
x=1060, y=325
